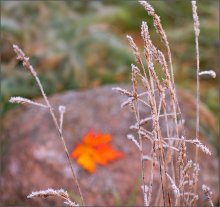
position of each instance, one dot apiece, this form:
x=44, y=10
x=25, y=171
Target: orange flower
x=95, y=149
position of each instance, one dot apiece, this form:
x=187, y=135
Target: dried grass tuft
x=178, y=175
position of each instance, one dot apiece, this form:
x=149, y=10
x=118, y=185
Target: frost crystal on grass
x=195, y=18
x=70, y=203
x=145, y=190
x=202, y=147
x=62, y=109
x=208, y=194
x=208, y=72
x=51, y=192
x=21, y=100
x=173, y=185
x=123, y=91
x=131, y=137
x=205, y=188
x=48, y=192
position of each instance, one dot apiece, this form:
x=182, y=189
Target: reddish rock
x=33, y=157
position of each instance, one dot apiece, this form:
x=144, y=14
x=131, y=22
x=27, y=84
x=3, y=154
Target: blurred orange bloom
x=95, y=149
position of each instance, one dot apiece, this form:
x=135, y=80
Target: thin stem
x=62, y=110
x=61, y=136
x=196, y=31
x=141, y=146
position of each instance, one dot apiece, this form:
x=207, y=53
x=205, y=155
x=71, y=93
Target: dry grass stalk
x=55, y=193
x=178, y=175
x=25, y=60
x=136, y=71
x=159, y=28
x=160, y=31
x=197, y=31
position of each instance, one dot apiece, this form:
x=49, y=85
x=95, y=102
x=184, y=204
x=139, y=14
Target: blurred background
x=77, y=45
x=80, y=45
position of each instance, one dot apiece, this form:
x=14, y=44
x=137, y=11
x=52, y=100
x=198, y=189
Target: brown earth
x=33, y=157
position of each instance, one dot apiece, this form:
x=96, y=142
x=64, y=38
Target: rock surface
x=33, y=157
